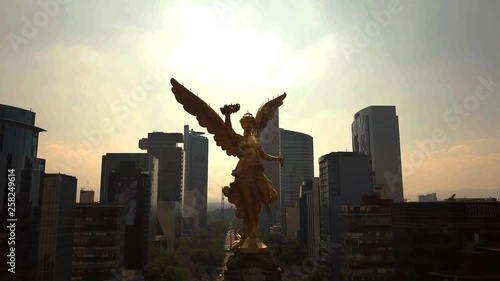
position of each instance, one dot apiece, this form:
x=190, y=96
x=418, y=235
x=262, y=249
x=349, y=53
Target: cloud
x=80, y=163
x=474, y=164
x=458, y=149
x=92, y=56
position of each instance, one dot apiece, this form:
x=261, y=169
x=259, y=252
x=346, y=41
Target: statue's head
x=247, y=121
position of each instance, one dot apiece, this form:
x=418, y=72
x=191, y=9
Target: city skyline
x=447, y=108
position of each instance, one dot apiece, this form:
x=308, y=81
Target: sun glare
x=226, y=56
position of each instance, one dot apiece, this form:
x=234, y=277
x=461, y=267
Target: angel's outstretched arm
x=270, y=157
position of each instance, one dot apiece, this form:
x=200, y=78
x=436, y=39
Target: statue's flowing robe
x=251, y=187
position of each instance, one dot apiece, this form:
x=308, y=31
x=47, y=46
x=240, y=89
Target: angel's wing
x=266, y=112
x=206, y=117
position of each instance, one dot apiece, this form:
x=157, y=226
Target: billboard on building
x=126, y=190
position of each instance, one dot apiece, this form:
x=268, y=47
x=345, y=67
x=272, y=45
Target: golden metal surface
x=250, y=188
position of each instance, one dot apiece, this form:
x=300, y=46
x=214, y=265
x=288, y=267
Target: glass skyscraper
x=375, y=132
x=18, y=151
x=297, y=148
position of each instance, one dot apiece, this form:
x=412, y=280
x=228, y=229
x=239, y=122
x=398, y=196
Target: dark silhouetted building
x=86, y=196
x=375, y=132
x=477, y=262
x=309, y=215
x=170, y=163
x=19, y=163
x=99, y=240
x=367, y=253
x=111, y=162
x=137, y=190
x=297, y=148
x=430, y=237
x=344, y=178
x=194, y=198
x=170, y=176
x=56, y=228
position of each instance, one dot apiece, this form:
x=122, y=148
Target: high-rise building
x=86, y=196
x=99, y=241
x=56, y=228
x=431, y=238
x=366, y=242
x=270, y=141
x=23, y=181
x=164, y=146
x=297, y=148
x=194, y=198
x=132, y=179
x=170, y=157
x=344, y=178
x=309, y=215
x=137, y=190
x=375, y=132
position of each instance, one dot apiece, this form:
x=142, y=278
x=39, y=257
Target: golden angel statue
x=251, y=188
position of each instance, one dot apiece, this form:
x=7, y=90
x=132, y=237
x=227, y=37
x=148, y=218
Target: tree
x=175, y=274
x=218, y=227
x=155, y=271
x=161, y=267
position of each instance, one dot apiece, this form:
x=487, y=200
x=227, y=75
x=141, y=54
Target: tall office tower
x=111, y=162
x=375, y=132
x=297, y=148
x=86, y=196
x=164, y=147
x=96, y=258
x=194, y=211
x=136, y=189
x=309, y=215
x=132, y=179
x=270, y=141
x=344, y=178
x=22, y=181
x=55, y=251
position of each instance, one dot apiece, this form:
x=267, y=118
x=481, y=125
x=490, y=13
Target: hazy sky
x=97, y=75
